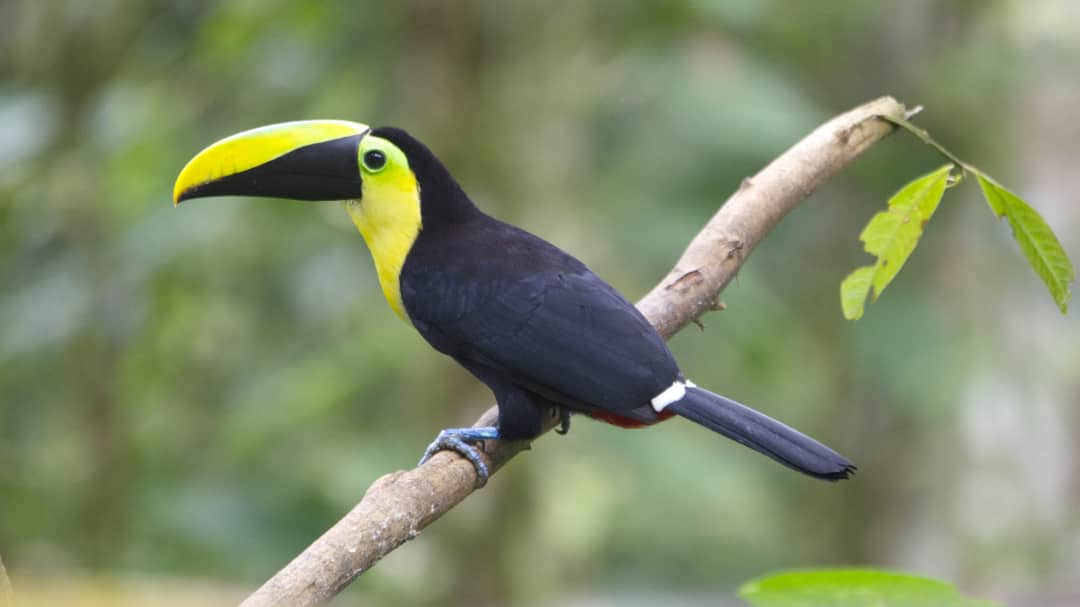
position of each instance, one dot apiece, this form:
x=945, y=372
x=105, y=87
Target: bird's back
x=488, y=293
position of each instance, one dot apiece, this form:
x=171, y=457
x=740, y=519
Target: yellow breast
x=388, y=217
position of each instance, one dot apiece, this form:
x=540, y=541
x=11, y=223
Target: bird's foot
x=458, y=439
x=564, y=420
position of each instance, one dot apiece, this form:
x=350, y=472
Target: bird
x=530, y=321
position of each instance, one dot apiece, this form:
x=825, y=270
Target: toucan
x=530, y=321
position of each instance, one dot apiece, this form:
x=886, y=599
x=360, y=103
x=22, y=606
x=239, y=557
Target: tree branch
x=397, y=506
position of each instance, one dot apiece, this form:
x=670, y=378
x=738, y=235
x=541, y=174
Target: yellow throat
x=388, y=217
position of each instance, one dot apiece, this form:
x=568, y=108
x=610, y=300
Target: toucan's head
x=380, y=172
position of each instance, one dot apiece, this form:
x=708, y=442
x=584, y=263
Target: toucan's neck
x=442, y=201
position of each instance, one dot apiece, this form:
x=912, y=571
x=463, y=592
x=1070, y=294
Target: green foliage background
x=191, y=395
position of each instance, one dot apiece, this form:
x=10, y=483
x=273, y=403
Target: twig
x=397, y=506
x=7, y=596
x=922, y=135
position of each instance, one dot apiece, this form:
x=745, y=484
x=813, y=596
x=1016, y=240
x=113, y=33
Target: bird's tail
x=762, y=433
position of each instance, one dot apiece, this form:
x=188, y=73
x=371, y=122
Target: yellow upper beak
x=239, y=164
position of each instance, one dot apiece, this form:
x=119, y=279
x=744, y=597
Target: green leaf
x=853, y=292
x=891, y=236
x=1037, y=241
x=852, y=588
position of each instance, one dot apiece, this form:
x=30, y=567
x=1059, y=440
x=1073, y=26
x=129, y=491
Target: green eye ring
x=374, y=160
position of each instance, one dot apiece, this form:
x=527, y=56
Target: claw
x=564, y=421
x=454, y=439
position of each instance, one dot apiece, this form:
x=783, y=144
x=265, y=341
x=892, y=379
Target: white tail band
x=674, y=393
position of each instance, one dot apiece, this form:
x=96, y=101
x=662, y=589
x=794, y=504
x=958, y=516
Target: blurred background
x=189, y=396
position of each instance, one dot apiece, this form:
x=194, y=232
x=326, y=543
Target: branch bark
x=400, y=504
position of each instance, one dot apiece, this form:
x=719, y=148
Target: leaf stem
x=928, y=140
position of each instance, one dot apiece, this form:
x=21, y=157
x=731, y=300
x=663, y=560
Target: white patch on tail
x=673, y=394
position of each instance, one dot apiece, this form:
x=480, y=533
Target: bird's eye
x=374, y=160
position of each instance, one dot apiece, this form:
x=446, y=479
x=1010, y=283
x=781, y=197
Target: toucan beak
x=306, y=160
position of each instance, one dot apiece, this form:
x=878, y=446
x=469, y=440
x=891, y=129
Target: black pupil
x=375, y=160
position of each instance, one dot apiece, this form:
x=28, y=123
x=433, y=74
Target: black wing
x=518, y=305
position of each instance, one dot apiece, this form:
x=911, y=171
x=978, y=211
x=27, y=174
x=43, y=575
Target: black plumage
x=524, y=316
x=540, y=329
